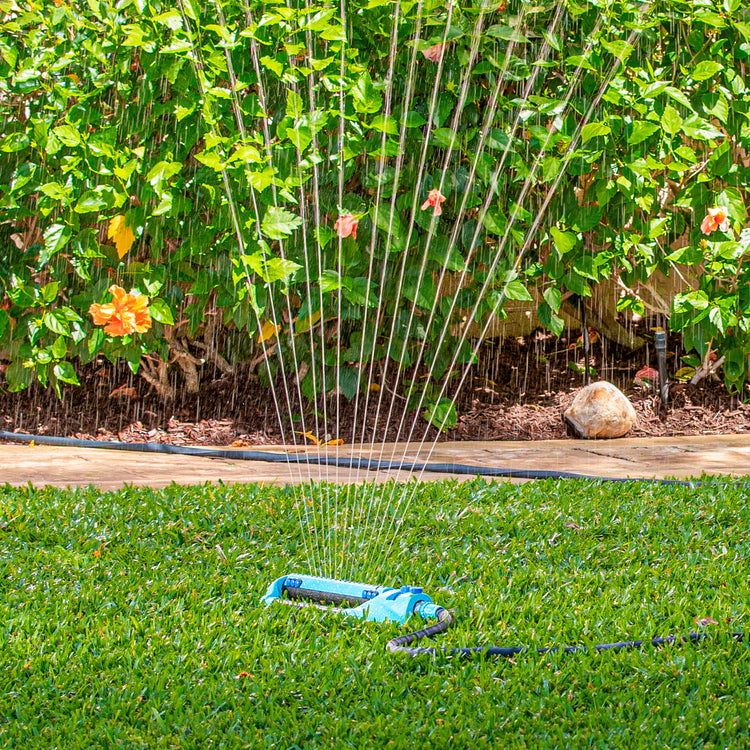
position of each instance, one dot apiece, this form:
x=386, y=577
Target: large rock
x=600, y=410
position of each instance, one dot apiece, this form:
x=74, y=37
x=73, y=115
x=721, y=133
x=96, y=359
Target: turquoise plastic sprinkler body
x=381, y=604
x=361, y=600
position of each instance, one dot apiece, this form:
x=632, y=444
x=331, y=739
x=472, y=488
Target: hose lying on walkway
x=402, y=644
x=337, y=461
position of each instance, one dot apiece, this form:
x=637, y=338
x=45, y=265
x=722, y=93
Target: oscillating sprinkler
x=361, y=600
x=384, y=604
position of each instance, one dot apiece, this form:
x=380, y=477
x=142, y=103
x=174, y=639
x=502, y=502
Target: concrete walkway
x=628, y=457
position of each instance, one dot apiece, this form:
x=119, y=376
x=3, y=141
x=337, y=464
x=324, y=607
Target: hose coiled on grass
x=402, y=644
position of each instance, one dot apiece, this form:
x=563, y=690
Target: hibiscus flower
x=716, y=218
x=346, y=225
x=434, y=53
x=126, y=314
x=434, y=199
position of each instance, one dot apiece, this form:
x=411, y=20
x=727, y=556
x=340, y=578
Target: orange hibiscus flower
x=126, y=314
x=716, y=218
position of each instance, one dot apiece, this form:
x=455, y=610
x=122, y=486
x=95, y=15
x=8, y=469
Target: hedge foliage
x=202, y=153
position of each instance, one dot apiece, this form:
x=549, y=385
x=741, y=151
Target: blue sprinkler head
x=375, y=603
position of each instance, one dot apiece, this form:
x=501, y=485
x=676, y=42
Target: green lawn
x=131, y=619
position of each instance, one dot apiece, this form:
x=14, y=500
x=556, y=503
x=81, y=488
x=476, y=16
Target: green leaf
x=507, y=33
x=553, y=297
x=99, y=199
x=413, y=119
x=732, y=198
x=594, y=130
x=494, y=221
x=445, y=137
x=160, y=312
x=56, y=322
x=721, y=160
x=367, y=99
x=671, y=121
x=442, y=414
x=301, y=137
x=716, y=105
x=49, y=292
x=359, y=291
x=389, y=221
x=59, y=347
x=517, y=290
x=18, y=376
x=641, y=131
x=705, y=70
x=549, y=320
x=347, y=379
x=330, y=281
x=171, y=19
x=15, y=142
x=68, y=135
x=278, y=269
x=679, y=97
x=564, y=241
x=65, y=373
x=279, y=223
x=162, y=172
x=295, y=107
x=55, y=239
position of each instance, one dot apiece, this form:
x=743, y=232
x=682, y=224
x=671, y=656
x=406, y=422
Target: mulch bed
x=516, y=392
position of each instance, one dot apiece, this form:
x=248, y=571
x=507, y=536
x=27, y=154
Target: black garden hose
x=337, y=461
x=402, y=644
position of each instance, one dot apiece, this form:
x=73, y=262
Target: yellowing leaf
x=268, y=331
x=309, y=435
x=684, y=374
x=339, y=441
x=122, y=235
x=374, y=387
x=304, y=324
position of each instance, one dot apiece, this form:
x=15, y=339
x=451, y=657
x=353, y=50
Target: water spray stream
x=532, y=232
x=527, y=185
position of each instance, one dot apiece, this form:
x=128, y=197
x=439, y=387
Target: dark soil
x=516, y=392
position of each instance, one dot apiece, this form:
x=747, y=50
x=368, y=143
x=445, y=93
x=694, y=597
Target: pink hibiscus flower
x=646, y=376
x=346, y=225
x=434, y=199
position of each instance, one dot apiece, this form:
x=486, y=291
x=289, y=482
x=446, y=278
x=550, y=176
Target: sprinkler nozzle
x=660, y=343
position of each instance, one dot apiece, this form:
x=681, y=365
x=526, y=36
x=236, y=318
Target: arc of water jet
x=526, y=245
x=235, y=219
x=393, y=205
x=489, y=119
x=300, y=501
x=527, y=184
x=388, y=240
x=348, y=537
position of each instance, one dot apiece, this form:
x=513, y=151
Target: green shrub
x=572, y=142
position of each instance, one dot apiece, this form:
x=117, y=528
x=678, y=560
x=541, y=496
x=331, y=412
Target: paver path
x=634, y=457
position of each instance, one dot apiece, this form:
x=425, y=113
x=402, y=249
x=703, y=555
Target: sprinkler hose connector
x=361, y=600
x=384, y=604
x=660, y=343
